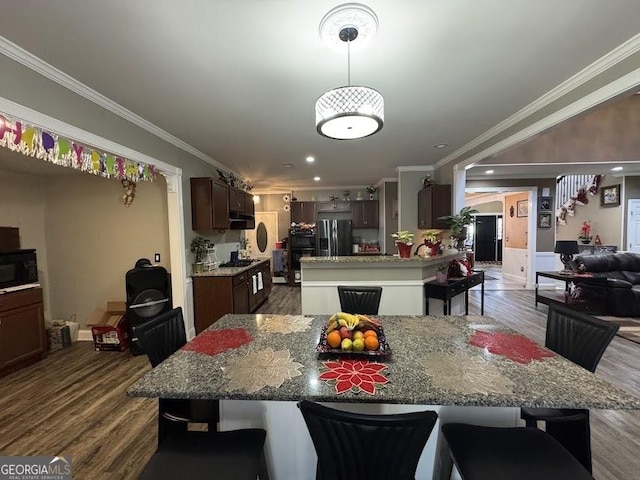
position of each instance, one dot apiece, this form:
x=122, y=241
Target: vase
x=441, y=277
x=404, y=249
x=585, y=241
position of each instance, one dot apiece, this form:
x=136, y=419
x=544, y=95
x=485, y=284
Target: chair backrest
x=161, y=335
x=353, y=446
x=364, y=300
x=577, y=336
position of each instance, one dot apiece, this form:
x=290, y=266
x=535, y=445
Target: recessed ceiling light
x=311, y=159
x=287, y=165
x=317, y=179
x=440, y=145
x=616, y=169
x=489, y=171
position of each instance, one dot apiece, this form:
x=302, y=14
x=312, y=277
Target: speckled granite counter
x=412, y=261
x=433, y=363
x=228, y=271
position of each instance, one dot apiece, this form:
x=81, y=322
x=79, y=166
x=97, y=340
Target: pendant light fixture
x=353, y=111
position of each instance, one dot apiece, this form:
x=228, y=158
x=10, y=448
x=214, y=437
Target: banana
x=334, y=318
x=342, y=322
x=332, y=325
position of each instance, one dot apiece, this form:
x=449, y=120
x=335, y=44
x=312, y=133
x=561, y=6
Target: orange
x=370, y=333
x=371, y=343
x=334, y=339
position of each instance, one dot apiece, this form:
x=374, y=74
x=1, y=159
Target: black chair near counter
x=582, y=339
x=355, y=446
x=237, y=454
x=364, y=300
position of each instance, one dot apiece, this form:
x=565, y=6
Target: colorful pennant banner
x=36, y=142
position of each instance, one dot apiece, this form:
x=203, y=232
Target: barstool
x=364, y=300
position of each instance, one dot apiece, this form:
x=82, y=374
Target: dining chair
x=520, y=453
x=356, y=446
x=582, y=339
x=364, y=300
x=237, y=454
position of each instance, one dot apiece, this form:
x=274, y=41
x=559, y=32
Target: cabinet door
x=209, y=205
x=237, y=200
x=364, y=214
x=424, y=208
x=266, y=278
x=249, y=206
x=21, y=334
x=303, y=212
x=434, y=202
x=241, y=297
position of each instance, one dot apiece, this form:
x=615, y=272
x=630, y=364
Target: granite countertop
x=414, y=259
x=432, y=363
x=228, y=271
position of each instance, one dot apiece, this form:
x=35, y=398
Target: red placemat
x=510, y=345
x=218, y=341
x=354, y=375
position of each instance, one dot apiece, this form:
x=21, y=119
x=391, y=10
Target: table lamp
x=566, y=249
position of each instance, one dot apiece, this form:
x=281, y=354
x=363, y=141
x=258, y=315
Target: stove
x=238, y=263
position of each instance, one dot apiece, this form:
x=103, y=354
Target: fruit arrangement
x=353, y=332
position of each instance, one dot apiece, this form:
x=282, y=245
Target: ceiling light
x=616, y=169
x=287, y=165
x=489, y=171
x=256, y=199
x=350, y=112
x=441, y=145
x=311, y=159
x=317, y=179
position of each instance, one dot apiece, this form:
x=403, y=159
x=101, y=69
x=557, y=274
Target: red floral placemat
x=218, y=341
x=354, y=375
x=510, y=345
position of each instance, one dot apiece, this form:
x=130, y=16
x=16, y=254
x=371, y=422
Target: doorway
x=487, y=239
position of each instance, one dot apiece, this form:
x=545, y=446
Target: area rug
x=629, y=327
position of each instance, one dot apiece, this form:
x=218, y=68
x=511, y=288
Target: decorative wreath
x=286, y=207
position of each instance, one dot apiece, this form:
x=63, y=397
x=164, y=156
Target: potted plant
x=441, y=273
x=199, y=249
x=458, y=224
x=242, y=251
x=432, y=240
x=585, y=233
x=404, y=240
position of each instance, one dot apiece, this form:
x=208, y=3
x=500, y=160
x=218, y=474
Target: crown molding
x=38, y=65
x=387, y=179
x=607, y=61
x=416, y=168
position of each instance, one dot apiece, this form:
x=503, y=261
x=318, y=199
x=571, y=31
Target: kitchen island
x=401, y=279
x=443, y=363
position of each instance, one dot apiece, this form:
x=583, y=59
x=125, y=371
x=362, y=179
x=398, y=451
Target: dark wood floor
x=74, y=401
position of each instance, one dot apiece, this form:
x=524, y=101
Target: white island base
x=402, y=281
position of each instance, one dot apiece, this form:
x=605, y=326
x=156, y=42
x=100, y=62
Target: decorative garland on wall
x=579, y=198
x=35, y=142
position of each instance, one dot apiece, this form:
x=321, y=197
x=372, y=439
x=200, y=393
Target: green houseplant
x=458, y=224
x=199, y=249
x=404, y=240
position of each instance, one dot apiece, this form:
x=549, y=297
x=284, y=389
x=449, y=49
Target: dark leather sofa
x=622, y=271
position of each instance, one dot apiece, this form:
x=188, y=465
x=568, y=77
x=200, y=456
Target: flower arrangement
x=244, y=243
x=585, y=232
x=431, y=237
x=403, y=236
x=372, y=189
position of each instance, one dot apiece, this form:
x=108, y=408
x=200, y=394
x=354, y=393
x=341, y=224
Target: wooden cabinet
x=364, y=214
x=22, y=336
x=237, y=200
x=214, y=297
x=249, y=221
x=334, y=206
x=434, y=202
x=209, y=204
x=303, y=212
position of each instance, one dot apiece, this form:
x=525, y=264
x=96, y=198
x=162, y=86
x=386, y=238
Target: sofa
x=622, y=271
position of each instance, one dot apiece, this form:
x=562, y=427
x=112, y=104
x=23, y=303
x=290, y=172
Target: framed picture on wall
x=544, y=220
x=545, y=204
x=610, y=196
x=523, y=208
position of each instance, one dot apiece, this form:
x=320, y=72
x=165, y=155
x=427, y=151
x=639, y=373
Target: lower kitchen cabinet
x=23, y=339
x=215, y=296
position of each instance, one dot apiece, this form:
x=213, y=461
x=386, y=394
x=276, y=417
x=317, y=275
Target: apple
x=345, y=333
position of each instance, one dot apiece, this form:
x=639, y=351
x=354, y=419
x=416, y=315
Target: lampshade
x=566, y=247
x=349, y=112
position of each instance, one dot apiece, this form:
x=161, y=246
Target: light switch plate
x=156, y=258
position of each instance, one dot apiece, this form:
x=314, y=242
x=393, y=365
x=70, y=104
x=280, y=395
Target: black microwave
x=18, y=267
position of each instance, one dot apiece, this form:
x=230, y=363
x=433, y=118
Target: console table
x=593, y=304
x=455, y=286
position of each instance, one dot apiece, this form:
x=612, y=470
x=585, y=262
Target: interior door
x=262, y=239
x=485, y=238
x=633, y=226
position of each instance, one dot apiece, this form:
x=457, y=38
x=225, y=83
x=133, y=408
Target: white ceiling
x=238, y=80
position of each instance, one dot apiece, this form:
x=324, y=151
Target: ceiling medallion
x=355, y=15
x=350, y=112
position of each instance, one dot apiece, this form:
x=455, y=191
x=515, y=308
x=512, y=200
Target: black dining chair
x=520, y=453
x=582, y=339
x=193, y=455
x=364, y=300
x=356, y=446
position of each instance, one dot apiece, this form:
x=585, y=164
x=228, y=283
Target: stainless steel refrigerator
x=334, y=238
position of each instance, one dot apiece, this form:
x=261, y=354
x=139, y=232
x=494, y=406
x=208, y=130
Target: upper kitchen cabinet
x=241, y=210
x=364, y=213
x=303, y=212
x=209, y=204
x=434, y=202
x=334, y=206
x=237, y=200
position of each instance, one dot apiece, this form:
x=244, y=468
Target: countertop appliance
x=18, y=267
x=334, y=238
